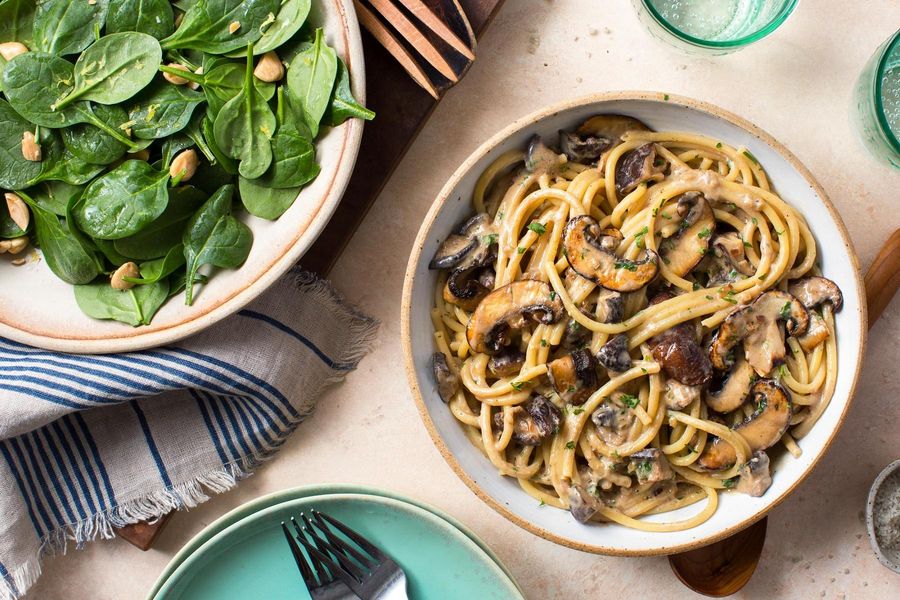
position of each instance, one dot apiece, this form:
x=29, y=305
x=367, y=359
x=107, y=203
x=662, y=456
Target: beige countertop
x=796, y=85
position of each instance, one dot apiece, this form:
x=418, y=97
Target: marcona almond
x=10, y=50
x=117, y=281
x=194, y=85
x=17, y=262
x=18, y=210
x=184, y=165
x=15, y=245
x=269, y=68
x=175, y=79
x=31, y=150
x=234, y=26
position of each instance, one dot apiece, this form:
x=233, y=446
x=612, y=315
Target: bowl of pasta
x=633, y=323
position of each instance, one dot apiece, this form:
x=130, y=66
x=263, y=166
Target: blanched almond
x=10, y=50
x=15, y=245
x=18, y=210
x=269, y=68
x=234, y=26
x=194, y=85
x=117, y=281
x=184, y=165
x=31, y=150
x=175, y=79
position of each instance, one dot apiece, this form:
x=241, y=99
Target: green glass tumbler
x=877, y=102
x=712, y=26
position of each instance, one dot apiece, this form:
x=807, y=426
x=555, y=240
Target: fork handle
x=397, y=592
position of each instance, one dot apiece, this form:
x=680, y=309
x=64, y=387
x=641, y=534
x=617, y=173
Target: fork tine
x=434, y=23
x=305, y=571
x=336, y=552
x=352, y=582
x=323, y=573
x=342, y=545
x=360, y=540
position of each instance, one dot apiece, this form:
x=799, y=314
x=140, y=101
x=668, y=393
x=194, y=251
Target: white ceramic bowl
x=38, y=309
x=453, y=205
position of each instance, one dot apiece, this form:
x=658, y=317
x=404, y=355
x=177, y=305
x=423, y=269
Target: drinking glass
x=877, y=102
x=712, y=26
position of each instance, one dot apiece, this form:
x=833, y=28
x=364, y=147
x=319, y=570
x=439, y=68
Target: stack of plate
x=244, y=554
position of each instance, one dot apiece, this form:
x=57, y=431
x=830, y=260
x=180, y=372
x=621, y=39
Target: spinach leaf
x=265, y=202
x=160, y=236
x=63, y=253
x=54, y=196
x=17, y=21
x=153, y=17
x=30, y=82
x=293, y=153
x=226, y=162
x=8, y=227
x=114, y=68
x=288, y=21
x=15, y=171
x=60, y=164
x=93, y=145
x=310, y=79
x=108, y=249
x=123, y=201
x=160, y=268
x=343, y=105
x=206, y=25
x=67, y=26
x=225, y=81
x=135, y=306
x=162, y=109
x=244, y=127
x=213, y=236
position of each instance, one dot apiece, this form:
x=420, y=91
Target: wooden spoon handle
x=883, y=277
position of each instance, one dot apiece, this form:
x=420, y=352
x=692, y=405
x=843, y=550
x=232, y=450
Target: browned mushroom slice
x=512, y=306
x=591, y=253
x=758, y=325
x=574, y=376
x=650, y=465
x=815, y=291
x=581, y=504
x=636, y=167
x=473, y=245
x=532, y=424
x=540, y=159
x=762, y=429
x=689, y=243
x=506, y=364
x=614, y=355
x=464, y=290
x=447, y=381
x=755, y=477
x=611, y=127
x=610, y=306
x=680, y=356
x=613, y=420
x=816, y=333
x=728, y=393
x=678, y=395
x=728, y=261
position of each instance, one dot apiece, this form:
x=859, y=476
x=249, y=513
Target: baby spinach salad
x=133, y=133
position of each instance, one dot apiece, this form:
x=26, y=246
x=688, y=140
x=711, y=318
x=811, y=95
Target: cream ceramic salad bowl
x=661, y=112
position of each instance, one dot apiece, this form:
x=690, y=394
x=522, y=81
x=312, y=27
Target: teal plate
x=250, y=558
x=253, y=506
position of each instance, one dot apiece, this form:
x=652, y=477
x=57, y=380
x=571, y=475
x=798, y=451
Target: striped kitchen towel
x=88, y=443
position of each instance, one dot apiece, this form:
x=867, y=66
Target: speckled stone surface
x=796, y=85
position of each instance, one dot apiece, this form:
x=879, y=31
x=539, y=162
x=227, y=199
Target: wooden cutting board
x=402, y=109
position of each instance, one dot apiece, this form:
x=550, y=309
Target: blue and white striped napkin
x=88, y=443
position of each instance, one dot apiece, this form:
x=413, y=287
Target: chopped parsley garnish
x=553, y=295
x=490, y=239
x=754, y=220
x=732, y=274
x=705, y=233
x=666, y=217
x=538, y=228
x=709, y=297
x=666, y=97
x=639, y=236
x=571, y=388
x=543, y=343
x=729, y=297
x=696, y=286
x=730, y=483
x=500, y=216
x=779, y=232
x=747, y=244
x=625, y=264
x=520, y=250
x=702, y=251
x=762, y=404
x=570, y=445
x=782, y=371
x=719, y=145
x=630, y=400
x=751, y=157
x=643, y=469
x=643, y=370
x=517, y=385
x=785, y=311
x=542, y=503
x=578, y=411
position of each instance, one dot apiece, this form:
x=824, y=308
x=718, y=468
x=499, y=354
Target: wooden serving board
x=402, y=109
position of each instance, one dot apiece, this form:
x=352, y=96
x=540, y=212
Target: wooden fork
x=444, y=43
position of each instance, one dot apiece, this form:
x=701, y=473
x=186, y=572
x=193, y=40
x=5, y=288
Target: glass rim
x=771, y=26
x=893, y=44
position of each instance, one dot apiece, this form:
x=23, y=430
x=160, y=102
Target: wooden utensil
x=446, y=50
x=723, y=568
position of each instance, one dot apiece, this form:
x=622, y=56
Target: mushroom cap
x=762, y=429
x=574, y=376
x=611, y=127
x=815, y=334
x=636, y=167
x=510, y=307
x=682, y=251
x=591, y=254
x=464, y=289
x=540, y=158
x=759, y=320
x=729, y=392
x=506, y=364
x=680, y=356
x=471, y=246
x=614, y=355
x=814, y=291
x=532, y=422
x=447, y=381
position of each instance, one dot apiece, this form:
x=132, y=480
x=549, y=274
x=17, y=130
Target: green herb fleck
x=570, y=445
x=538, y=228
x=785, y=311
x=517, y=385
x=630, y=400
x=553, y=295
x=719, y=145
x=754, y=220
x=705, y=233
x=730, y=483
x=639, y=236
x=542, y=503
x=751, y=157
x=490, y=239
x=747, y=244
x=729, y=297
x=625, y=264
x=643, y=469
x=543, y=343
x=696, y=286
x=709, y=297
x=666, y=97
x=520, y=250
x=578, y=411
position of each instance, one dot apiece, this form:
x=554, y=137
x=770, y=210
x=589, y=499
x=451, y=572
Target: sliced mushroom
x=447, y=380
x=610, y=306
x=574, y=376
x=582, y=149
x=688, y=244
x=614, y=355
x=507, y=363
x=581, y=504
x=613, y=420
x=679, y=354
x=755, y=477
x=636, y=167
x=814, y=291
x=678, y=395
x=576, y=336
x=464, y=289
x=511, y=307
x=650, y=465
x=758, y=325
x=591, y=253
x=540, y=159
x=816, y=333
x=728, y=393
x=728, y=260
x=472, y=245
x=762, y=429
x=532, y=424
x=597, y=135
